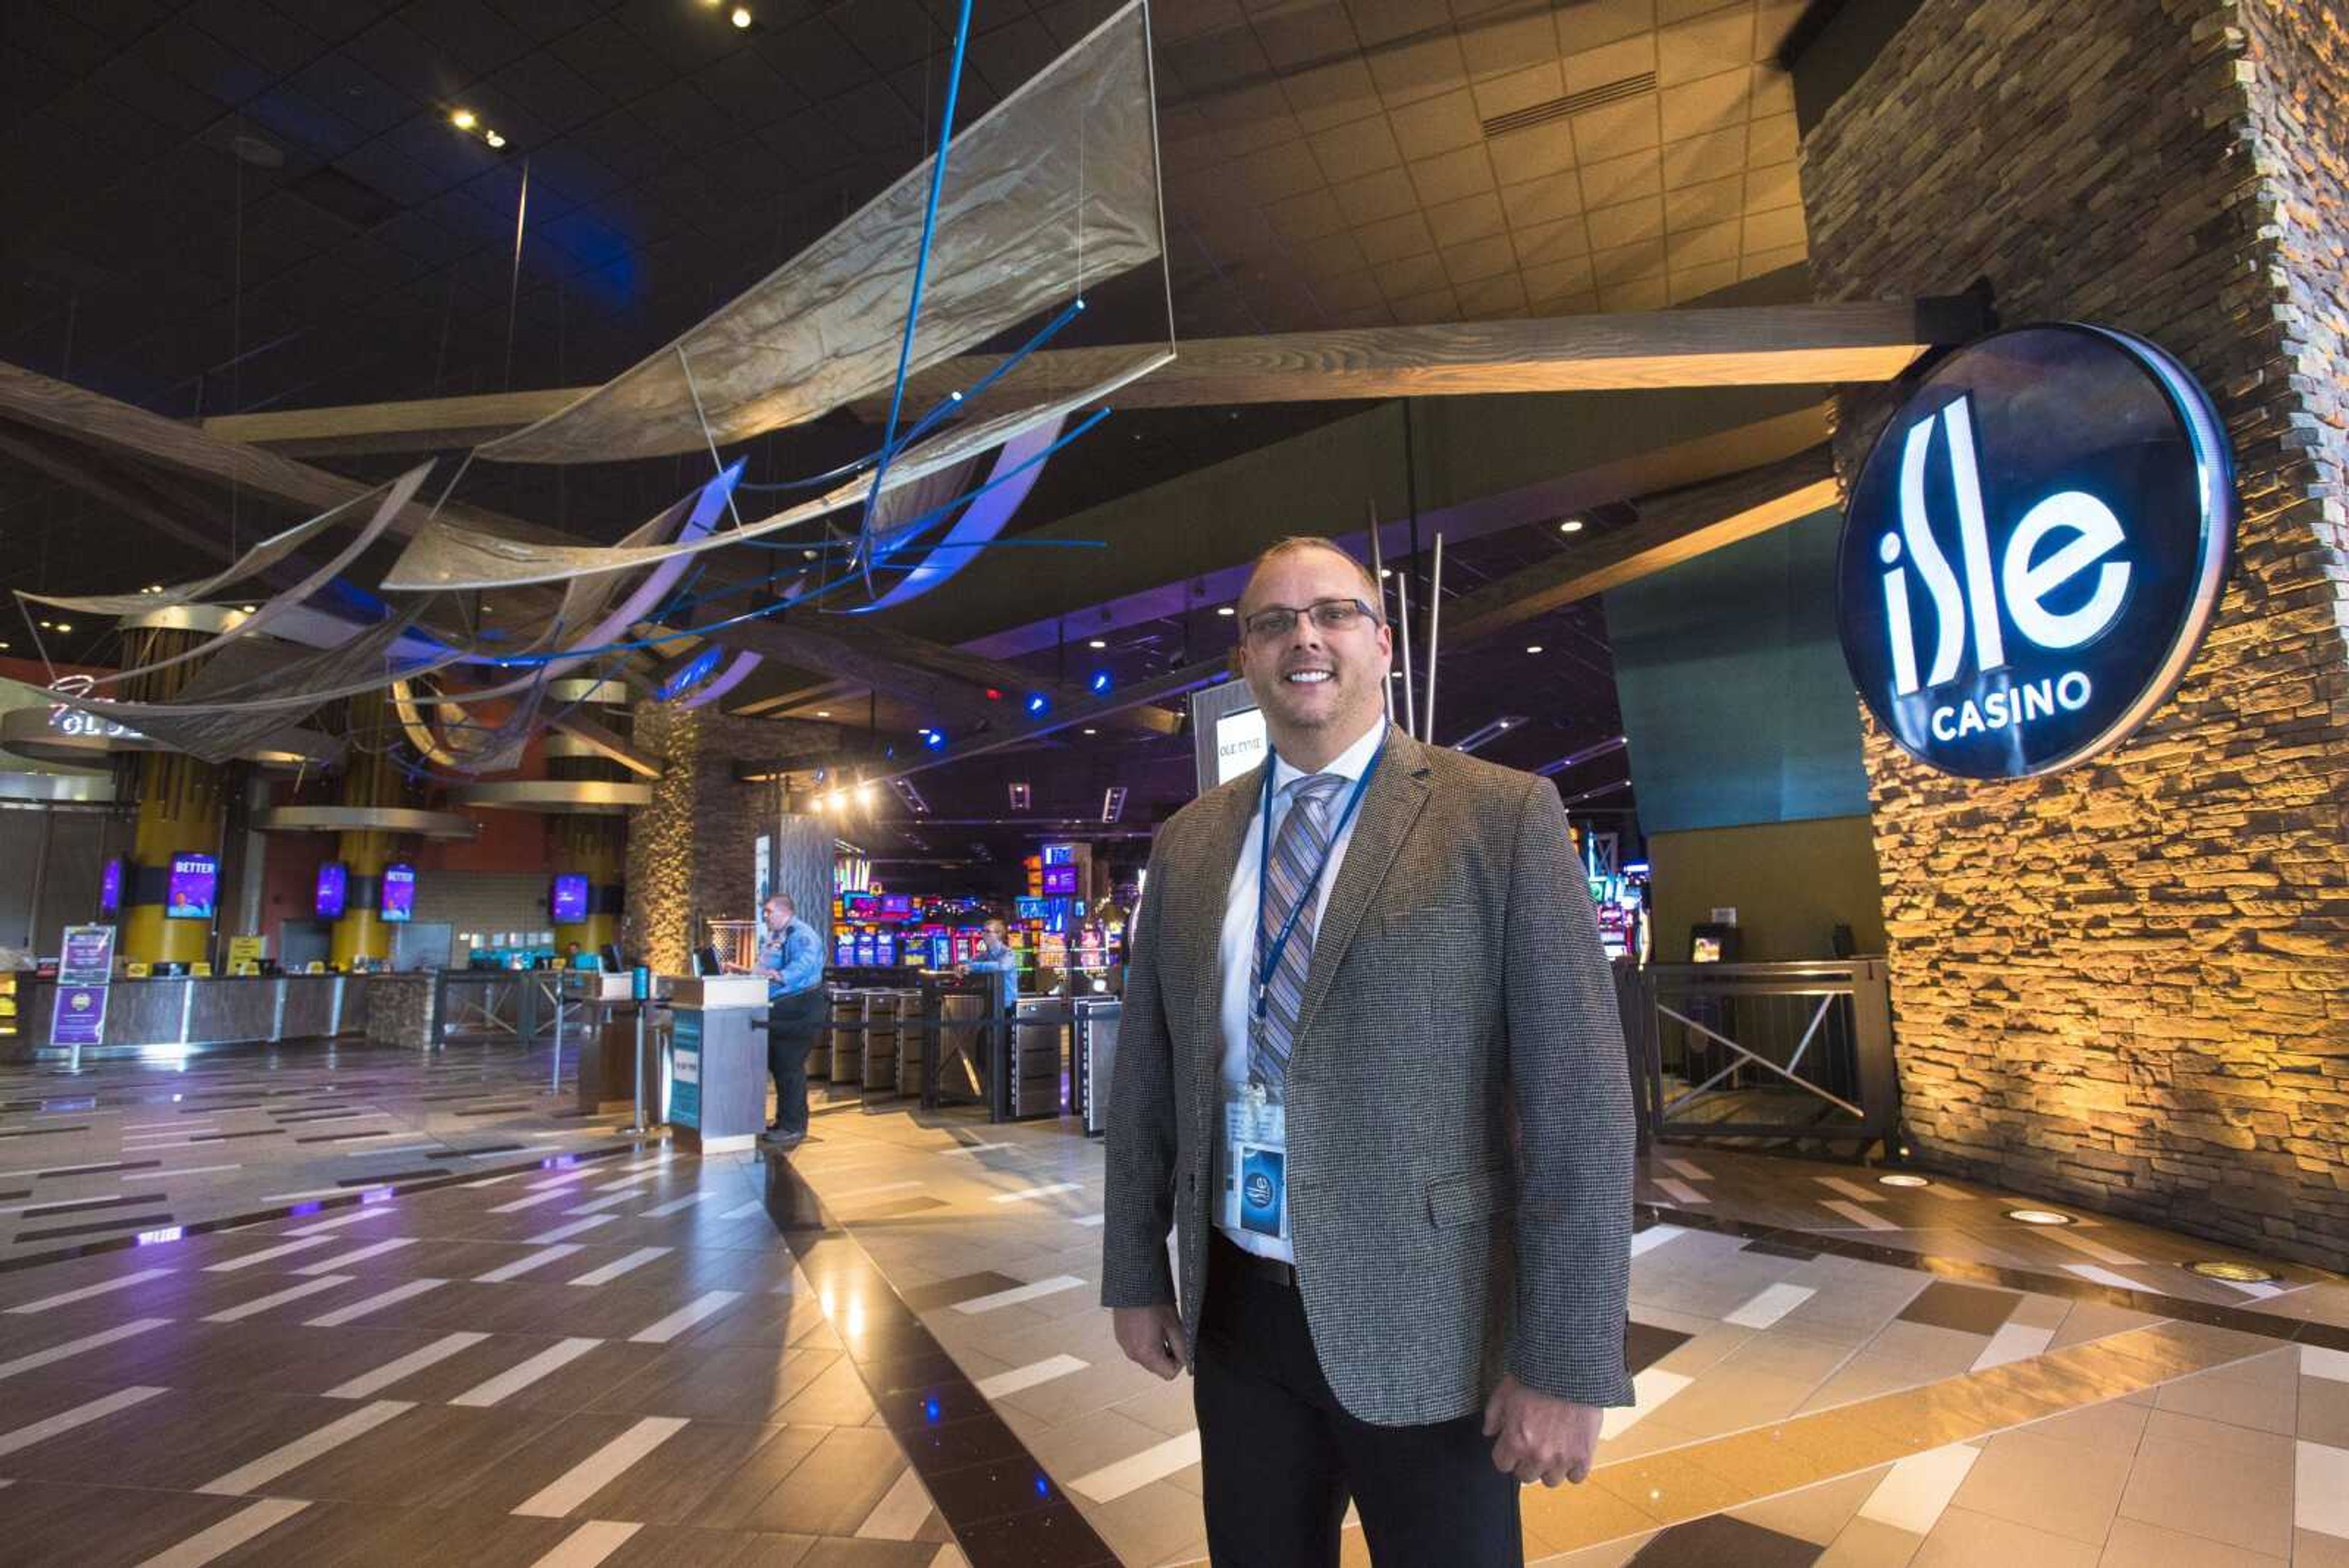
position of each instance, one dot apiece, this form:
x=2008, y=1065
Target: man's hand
x=1152, y=1338
x=1542, y=1438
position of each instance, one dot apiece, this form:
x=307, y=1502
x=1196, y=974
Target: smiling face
x=1319, y=690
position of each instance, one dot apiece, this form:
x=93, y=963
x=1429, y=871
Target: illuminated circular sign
x=2034, y=550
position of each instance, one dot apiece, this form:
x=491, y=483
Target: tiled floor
x=580, y=1351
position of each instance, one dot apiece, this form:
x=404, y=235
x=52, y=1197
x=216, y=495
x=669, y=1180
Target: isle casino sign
x=2034, y=550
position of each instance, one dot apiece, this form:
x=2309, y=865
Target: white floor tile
x=1916, y=1490
x=260, y=1472
x=600, y=1468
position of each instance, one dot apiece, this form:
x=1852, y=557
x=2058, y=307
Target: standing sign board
x=685, y=1068
x=85, y=968
x=2034, y=550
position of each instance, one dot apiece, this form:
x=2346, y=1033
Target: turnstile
x=1033, y=1084
x=1093, y=1059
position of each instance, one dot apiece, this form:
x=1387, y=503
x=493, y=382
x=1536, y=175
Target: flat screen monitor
x=398, y=894
x=109, y=889
x=194, y=888
x=611, y=952
x=1027, y=909
x=884, y=949
x=1239, y=743
x=843, y=951
x=866, y=949
x=569, y=899
x=1059, y=881
x=332, y=890
x=860, y=905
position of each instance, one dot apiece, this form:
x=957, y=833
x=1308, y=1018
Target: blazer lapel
x=1200, y=979
x=1390, y=807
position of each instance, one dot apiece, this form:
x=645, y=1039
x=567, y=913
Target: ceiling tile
x=260, y=33
x=1772, y=230
x=1670, y=11
x=1624, y=179
x=1469, y=218
x=1612, y=63
x=1697, y=158
x=1436, y=125
x=477, y=38
x=1480, y=258
x=1773, y=91
x=1638, y=293
x=1714, y=202
x=816, y=58
x=1779, y=185
x=1701, y=247
x=1625, y=264
x=1503, y=295
x=1391, y=239
x=131, y=79
x=747, y=88
x=1351, y=151
x=1309, y=33
x=1366, y=316
x=1554, y=281
x=1542, y=242
x=1176, y=24
x=1594, y=21
x=1499, y=45
x=1251, y=117
x=893, y=33
x=1544, y=201
x=1331, y=254
x=1497, y=96
x=1419, y=309
x=1378, y=22
x=1710, y=103
x=1275, y=173
x=1772, y=140
x=1451, y=176
x=1757, y=263
x=1696, y=282
x=1375, y=196
x=1772, y=21
x=1333, y=94
x=1699, y=49
x=1616, y=130
x=1411, y=275
x=1407, y=72
x=1531, y=154
x=1350, y=292
x=1625, y=224
x=1307, y=217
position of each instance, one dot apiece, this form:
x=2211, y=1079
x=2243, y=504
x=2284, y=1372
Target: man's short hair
x=1295, y=542
x=785, y=899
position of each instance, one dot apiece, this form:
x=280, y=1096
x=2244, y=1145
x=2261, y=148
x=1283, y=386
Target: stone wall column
x=2127, y=985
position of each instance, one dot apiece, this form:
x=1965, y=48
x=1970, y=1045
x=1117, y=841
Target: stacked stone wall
x=2127, y=985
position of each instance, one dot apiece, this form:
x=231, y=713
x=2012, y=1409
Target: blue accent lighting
x=1036, y=703
x=1100, y=681
x=935, y=740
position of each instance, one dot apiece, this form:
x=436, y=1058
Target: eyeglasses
x=1328, y=614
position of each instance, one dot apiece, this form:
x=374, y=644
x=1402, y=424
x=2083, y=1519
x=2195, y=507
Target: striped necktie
x=1297, y=850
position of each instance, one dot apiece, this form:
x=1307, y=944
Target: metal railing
x=953, y=1043
x=1791, y=1052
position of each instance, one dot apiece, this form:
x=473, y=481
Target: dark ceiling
x=233, y=206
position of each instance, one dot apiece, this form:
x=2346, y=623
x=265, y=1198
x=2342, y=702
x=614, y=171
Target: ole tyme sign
x=2034, y=549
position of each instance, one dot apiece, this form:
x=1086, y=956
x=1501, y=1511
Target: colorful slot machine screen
x=868, y=949
x=844, y=950
x=1059, y=881
x=884, y=949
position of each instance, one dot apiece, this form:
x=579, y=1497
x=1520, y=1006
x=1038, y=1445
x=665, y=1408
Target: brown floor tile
x=2323, y=1416
x=730, y=1503
x=425, y=1458
x=2064, y=1489
x=1963, y=1539
x=1707, y=1542
x=834, y=1489
x=2226, y=1484
x=405, y=1537
x=834, y=1552
x=2261, y=1393
x=2134, y=1543
x=1968, y=1309
x=718, y=1384
x=658, y=1546
x=60, y=1523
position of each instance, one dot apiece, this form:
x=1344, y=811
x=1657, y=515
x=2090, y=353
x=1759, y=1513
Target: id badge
x=1256, y=1168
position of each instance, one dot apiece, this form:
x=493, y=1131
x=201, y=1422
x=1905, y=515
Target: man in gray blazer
x=1371, y=1074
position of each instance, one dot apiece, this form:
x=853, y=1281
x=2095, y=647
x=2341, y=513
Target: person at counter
x=996, y=958
x=791, y=960
x=1404, y=1227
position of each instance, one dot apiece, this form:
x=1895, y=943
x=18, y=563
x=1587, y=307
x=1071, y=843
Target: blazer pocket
x=1472, y=1196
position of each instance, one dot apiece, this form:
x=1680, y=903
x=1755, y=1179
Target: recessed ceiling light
x=1225, y=609
x=2038, y=1217
x=824, y=713
x=63, y=627
x=1902, y=1179
x=1087, y=732
x=493, y=138
x=1096, y=642
x=1571, y=525
x=742, y=17
x=465, y=120
x=1532, y=647
x=2233, y=1271
x=1386, y=572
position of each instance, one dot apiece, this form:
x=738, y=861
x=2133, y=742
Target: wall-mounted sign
x=398, y=894
x=332, y=890
x=2034, y=550
x=569, y=898
x=110, y=888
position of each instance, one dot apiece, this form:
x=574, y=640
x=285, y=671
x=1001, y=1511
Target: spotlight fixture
x=1097, y=642
x=1114, y=802
x=1225, y=609
x=910, y=795
x=1571, y=525
x=493, y=138
x=1089, y=730
x=936, y=741
x=465, y=120
x=2038, y=1217
x=1020, y=797
x=1902, y=1179
x=1532, y=647
x=824, y=713
x=64, y=627
x=1100, y=681
x=864, y=793
x=1036, y=703
x=2232, y=1271
x=742, y=17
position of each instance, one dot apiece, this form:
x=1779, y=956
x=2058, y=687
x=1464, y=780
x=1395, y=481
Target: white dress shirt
x=1238, y=945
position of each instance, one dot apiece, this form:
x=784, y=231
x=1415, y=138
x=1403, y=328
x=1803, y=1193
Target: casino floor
x=453, y=1320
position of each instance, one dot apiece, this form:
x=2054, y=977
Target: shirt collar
x=1349, y=764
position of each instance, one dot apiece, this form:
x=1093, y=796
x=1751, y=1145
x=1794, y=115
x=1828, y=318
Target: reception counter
x=237, y=1010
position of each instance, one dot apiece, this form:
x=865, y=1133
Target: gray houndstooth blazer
x=1457, y=987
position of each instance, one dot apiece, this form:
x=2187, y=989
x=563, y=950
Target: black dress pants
x=1280, y=1456
x=793, y=1024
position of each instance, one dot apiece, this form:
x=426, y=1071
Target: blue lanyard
x=1268, y=964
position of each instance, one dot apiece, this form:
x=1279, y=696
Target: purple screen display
x=1059, y=881
x=333, y=888
x=194, y=883
x=398, y=893
x=570, y=899
x=110, y=888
